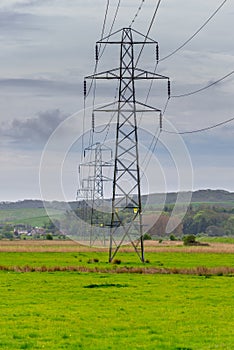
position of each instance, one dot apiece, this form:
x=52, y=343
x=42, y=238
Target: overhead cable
x=137, y=13
x=148, y=31
x=197, y=31
x=86, y=93
x=155, y=140
x=111, y=27
x=102, y=35
x=105, y=18
x=199, y=130
x=204, y=87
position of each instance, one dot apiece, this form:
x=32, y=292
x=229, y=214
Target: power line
x=110, y=31
x=90, y=87
x=205, y=87
x=93, y=81
x=83, y=129
x=199, y=130
x=148, y=93
x=182, y=133
x=155, y=140
x=156, y=65
x=137, y=13
x=102, y=35
x=148, y=31
x=197, y=31
x=105, y=18
x=112, y=117
x=111, y=27
x=153, y=18
x=106, y=126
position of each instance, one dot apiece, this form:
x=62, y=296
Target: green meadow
x=178, y=259
x=100, y=310
x=30, y=216
x=229, y=240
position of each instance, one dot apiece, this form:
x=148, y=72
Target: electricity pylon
x=126, y=221
x=93, y=186
x=84, y=196
x=98, y=164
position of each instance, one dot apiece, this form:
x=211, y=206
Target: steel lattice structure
x=126, y=220
x=98, y=164
x=92, y=191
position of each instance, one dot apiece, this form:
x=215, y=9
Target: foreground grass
x=99, y=259
x=73, y=310
x=102, y=311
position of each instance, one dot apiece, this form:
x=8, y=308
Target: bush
x=49, y=237
x=147, y=237
x=189, y=240
x=91, y=261
x=116, y=261
x=172, y=237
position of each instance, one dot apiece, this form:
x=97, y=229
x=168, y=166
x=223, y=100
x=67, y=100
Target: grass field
x=217, y=239
x=100, y=310
x=33, y=216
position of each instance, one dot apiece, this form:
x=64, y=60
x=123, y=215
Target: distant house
x=38, y=231
x=23, y=230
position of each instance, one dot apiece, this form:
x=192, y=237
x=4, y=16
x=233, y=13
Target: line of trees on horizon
x=200, y=219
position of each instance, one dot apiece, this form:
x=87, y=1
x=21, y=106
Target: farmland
x=31, y=216
x=59, y=295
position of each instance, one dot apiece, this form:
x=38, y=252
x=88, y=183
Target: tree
x=214, y=231
x=8, y=232
x=202, y=219
x=189, y=240
x=229, y=226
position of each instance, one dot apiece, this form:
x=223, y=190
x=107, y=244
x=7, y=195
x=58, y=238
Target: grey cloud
x=32, y=131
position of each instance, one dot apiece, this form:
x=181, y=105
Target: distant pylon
x=126, y=221
x=93, y=184
x=84, y=196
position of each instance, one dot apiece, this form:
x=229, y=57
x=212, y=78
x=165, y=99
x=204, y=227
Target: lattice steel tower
x=98, y=163
x=126, y=221
x=92, y=186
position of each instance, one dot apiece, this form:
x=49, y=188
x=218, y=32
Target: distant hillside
x=201, y=196
x=213, y=196
x=29, y=216
x=35, y=204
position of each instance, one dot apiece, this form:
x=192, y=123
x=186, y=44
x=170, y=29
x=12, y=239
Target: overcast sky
x=47, y=47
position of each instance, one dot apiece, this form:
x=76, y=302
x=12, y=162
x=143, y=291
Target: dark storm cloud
x=32, y=131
